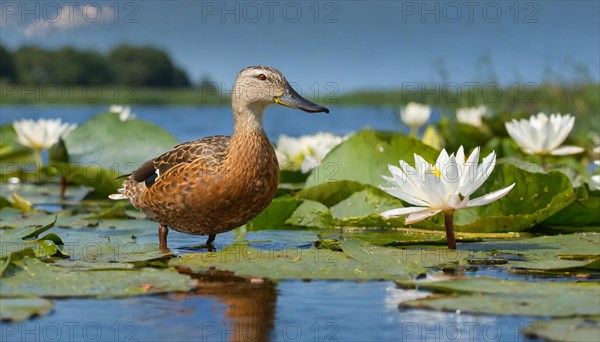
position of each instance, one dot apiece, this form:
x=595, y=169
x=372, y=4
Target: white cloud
x=68, y=18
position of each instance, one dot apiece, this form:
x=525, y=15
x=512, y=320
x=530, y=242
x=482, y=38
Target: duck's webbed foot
x=208, y=245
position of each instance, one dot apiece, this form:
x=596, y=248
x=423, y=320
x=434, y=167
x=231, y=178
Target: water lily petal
x=566, y=150
x=460, y=161
x=481, y=174
x=450, y=175
x=491, y=197
x=420, y=216
x=405, y=196
x=442, y=158
x=469, y=172
x=563, y=125
x=409, y=184
x=402, y=211
x=413, y=182
x=396, y=172
x=596, y=180
x=516, y=131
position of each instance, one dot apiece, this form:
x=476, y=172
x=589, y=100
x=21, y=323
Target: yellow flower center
x=436, y=172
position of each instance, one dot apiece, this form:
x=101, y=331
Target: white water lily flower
x=596, y=181
x=471, y=116
x=446, y=186
x=596, y=151
x=41, y=134
x=542, y=135
x=415, y=115
x=306, y=151
x=123, y=111
x=443, y=187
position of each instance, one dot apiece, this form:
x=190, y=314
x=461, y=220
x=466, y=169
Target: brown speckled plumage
x=217, y=183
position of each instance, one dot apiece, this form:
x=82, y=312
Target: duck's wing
x=212, y=149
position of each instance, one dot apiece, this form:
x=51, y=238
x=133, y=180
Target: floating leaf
x=274, y=217
x=10, y=148
x=117, y=211
x=21, y=204
x=364, y=157
x=359, y=260
x=40, y=279
x=21, y=242
x=582, y=212
x=4, y=203
x=105, y=147
x=577, y=329
x=457, y=134
x=311, y=214
x=103, y=181
x=110, y=143
x=37, y=231
x=535, y=197
x=482, y=295
x=18, y=309
x=331, y=193
x=560, y=252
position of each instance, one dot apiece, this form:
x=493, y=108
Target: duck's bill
x=292, y=99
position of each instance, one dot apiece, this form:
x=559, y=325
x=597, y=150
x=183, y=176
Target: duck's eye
x=262, y=77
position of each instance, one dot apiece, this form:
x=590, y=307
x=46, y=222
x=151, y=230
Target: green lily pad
x=582, y=212
x=4, y=203
x=41, y=194
x=331, y=193
x=105, y=147
x=359, y=260
x=560, y=252
x=577, y=329
x=364, y=159
x=10, y=148
x=34, y=277
x=18, y=243
x=365, y=156
x=482, y=295
x=311, y=214
x=275, y=215
x=457, y=134
x=535, y=197
x=110, y=143
x=18, y=309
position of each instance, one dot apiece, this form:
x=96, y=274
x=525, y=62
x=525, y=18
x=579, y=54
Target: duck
x=218, y=183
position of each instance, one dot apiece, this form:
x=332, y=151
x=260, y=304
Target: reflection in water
x=250, y=304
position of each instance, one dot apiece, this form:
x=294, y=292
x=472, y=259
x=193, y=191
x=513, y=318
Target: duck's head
x=259, y=86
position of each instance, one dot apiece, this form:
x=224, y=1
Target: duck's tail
x=118, y=196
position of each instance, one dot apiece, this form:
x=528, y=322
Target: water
x=226, y=307
x=192, y=122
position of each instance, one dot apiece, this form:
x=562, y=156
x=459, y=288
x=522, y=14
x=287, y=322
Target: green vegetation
x=123, y=65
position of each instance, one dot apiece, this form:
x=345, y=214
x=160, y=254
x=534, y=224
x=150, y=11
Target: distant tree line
x=143, y=66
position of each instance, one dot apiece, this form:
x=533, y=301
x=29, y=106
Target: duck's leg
x=163, y=231
x=63, y=187
x=211, y=238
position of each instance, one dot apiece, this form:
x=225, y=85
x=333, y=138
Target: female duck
x=218, y=183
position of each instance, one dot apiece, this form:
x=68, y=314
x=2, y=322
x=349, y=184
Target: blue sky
x=352, y=44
